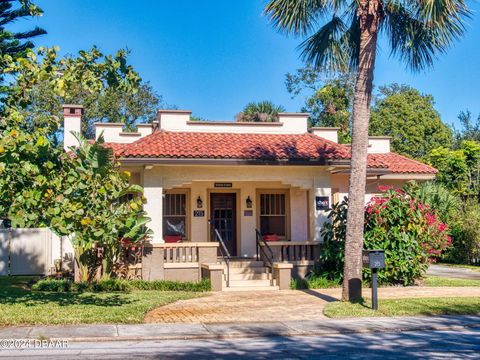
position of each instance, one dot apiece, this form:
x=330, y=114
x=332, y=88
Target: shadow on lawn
x=16, y=290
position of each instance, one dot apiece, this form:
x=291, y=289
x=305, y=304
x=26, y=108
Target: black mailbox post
x=374, y=260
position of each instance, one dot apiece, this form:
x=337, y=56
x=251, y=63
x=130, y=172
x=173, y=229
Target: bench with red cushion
x=169, y=239
x=271, y=237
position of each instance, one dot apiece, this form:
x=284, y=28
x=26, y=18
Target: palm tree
x=263, y=111
x=417, y=30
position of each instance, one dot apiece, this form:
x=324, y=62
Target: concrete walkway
x=285, y=305
x=453, y=272
x=97, y=333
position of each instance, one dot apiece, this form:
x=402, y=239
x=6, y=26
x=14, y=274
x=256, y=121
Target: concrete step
x=245, y=263
x=248, y=276
x=247, y=270
x=250, y=288
x=249, y=283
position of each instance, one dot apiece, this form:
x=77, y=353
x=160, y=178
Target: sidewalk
x=93, y=333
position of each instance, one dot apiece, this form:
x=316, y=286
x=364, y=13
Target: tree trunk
x=369, y=13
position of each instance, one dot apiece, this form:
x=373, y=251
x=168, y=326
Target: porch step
x=249, y=283
x=246, y=264
x=250, y=288
x=248, y=276
x=247, y=270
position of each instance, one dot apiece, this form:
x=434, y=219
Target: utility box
x=373, y=259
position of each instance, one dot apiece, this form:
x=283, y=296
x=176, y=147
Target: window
x=273, y=214
x=175, y=214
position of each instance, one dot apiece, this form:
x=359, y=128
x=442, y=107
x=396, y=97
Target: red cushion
x=271, y=237
x=173, y=238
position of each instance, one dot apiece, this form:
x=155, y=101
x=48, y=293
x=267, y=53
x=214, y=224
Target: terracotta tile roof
x=397, y=163
x=196, y=145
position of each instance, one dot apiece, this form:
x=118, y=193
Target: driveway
x=453, y=272
x=285, y=305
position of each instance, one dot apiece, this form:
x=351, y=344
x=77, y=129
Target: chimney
x=328, y=133
x=72, y=122
x=379, y=144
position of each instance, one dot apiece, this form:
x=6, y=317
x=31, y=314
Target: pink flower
x=384, y=188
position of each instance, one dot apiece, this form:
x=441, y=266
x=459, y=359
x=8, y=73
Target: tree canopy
x=263, y=111
x=16, y=43
x=328, y=98
x=410, y=118
x=109, y=89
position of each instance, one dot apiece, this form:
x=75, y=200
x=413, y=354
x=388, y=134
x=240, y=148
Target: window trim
x=186, y=192
x=285, y=192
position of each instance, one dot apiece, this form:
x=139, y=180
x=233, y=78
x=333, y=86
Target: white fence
x=32, y=251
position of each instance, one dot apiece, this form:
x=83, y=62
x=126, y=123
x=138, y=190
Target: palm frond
x=329, y=47
x=295, y=16
x=418, y=30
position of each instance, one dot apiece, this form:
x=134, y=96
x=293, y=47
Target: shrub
x=120, y=285
x=167, y=285
x=52, y=285
x=466, y=235
x=408, y=230
x=314, y=281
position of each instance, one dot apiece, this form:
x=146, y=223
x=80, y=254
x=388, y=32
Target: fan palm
x=264, y=111
x=343, y=35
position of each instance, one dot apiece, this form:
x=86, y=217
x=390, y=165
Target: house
x=209, y=185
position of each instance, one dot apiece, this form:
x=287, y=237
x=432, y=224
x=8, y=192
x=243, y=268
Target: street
x=457, y=344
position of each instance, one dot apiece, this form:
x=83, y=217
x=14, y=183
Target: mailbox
x=373, y=259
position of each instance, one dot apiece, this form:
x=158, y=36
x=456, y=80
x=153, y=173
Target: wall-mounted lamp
x=249, y=202
x=199, y=203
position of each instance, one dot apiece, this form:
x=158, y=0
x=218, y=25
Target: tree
x=459, y=169
x=417, y=31
x=104, y=100
x=329, y=98
x=16, y=44
x=410, y=118
x=80, y=193
x=263, y=111
x=470, y=129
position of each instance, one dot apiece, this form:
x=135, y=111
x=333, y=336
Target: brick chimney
x=72, y=123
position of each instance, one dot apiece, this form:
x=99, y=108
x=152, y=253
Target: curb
x=266, y=333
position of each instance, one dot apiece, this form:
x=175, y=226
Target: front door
x=223, y=218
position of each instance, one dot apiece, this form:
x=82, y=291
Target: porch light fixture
x=199, y=203
x=249, y=202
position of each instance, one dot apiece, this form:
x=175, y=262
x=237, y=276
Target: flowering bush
x=409, y=231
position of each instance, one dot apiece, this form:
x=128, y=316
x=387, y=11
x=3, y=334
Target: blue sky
x=214, y=56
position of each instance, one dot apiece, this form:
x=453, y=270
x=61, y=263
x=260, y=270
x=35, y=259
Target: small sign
x=198, y=213
x=247, y=212
x=322, y=202
x=222, y=185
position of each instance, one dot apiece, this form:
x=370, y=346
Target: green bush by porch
x=120, y=285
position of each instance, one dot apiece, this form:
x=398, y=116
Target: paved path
x=285, y=305
x=426, y=344
x=453, y=272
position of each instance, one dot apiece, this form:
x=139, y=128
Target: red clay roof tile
x=196, y=145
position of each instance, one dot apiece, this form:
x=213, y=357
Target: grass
x=405, y=307
x=21, y=306
x=471, y=267
x=438, y=281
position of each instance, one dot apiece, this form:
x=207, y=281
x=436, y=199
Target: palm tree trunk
x=369, y=13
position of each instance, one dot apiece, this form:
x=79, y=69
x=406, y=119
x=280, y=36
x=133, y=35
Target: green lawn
x=471, y=267
x=405, y=307
x=20, y=306
x=437, y=281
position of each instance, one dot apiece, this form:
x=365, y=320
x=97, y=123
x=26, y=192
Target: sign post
x=374, y=260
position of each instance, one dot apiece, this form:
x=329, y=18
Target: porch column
x=153, y=191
